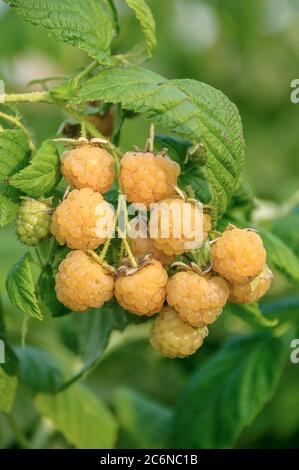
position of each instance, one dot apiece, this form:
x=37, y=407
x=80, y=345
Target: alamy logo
x=294, y=96
x=295, y=353
x=2, y=352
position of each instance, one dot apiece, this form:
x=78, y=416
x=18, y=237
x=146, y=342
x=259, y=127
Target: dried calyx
x=127, y=267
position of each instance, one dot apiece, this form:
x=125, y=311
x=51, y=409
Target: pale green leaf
x=8, y=386
x=192, y=109
x=21, y=290
x=228, y=392
x=287, y=228
x=42, y=174
x=87, y=24
x=14, y=152
x=95, y=327
x=147, y=22
x=136, y=412
x=281, y=256
x=9, y=204
x=39, y=370
x=80, y=417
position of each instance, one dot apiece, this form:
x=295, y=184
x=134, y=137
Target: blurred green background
x=249, y=50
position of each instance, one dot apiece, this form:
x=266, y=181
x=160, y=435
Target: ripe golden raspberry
x=250, y=292
x=88, y=166
x=173, y=338
x=199, y=300
x=144, y=292
x=83, y=220
x=239, y=255
x=148, y=178
x=81, y=283
x=33, y=222
x=175, y=226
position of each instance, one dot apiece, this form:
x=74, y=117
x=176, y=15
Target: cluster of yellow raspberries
x=185, y=303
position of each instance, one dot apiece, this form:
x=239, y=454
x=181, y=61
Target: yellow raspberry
x=239, y=255
x=250, y=292
x=199, y=300
x=84, y=220
x=173, y=338
x=147, y=178
x=88, y=166
x=144, y=292
x=174, y=226
x=81, y=283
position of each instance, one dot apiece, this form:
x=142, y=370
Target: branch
x=34, y=97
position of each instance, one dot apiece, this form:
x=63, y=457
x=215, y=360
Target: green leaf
x=9, y=204
x=147, y=22
x=136, y=412
x=47, y=293
x=287, y=228
x=95, y=327
x=197, y=179
x=11, y=364
x=281, y=256
x=191, y=109
x=251, y=314
x=20, y=288
x=286, y=309
x=177, y=148
x=43, y=173
x=14, y=152
x=8, y=386
x=226, y=395
x=39, y=370
x=2, y=322
x=80, y=417
x=87, y=24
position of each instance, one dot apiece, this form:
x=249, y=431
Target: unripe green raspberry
x=33, y=222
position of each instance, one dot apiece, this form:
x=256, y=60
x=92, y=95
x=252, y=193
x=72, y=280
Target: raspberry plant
x=53, y=193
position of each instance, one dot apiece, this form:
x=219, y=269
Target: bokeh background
x=249, y=50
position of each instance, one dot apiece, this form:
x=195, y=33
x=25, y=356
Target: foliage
x=230, y=382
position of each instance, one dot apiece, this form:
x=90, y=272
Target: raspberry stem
x=85, y=72
x=130, y=254
x=17, y=122
x=116, y=153
x=34, y=97
x=151, y=140
x=123, y=235
x=107, y=243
